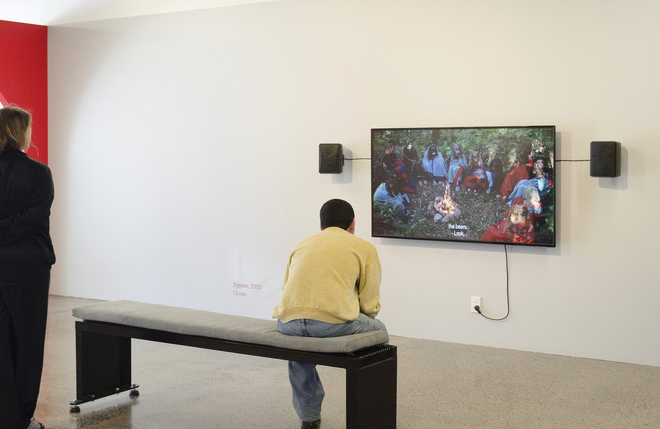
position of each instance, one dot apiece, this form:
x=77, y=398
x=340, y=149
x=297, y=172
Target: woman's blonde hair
x=14, y=123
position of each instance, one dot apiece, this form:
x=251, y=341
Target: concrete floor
x=440, y=385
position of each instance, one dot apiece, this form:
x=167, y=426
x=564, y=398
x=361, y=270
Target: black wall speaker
x=331, y=158
x=605, y=159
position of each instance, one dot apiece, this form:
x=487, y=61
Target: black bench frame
x=103, y=368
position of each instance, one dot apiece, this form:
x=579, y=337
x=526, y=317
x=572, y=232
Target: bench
x=103, y=353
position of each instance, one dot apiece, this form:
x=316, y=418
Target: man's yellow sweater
x=331, y=276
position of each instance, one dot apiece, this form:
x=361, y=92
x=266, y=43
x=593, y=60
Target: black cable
x=351, y=159
x=508, y=307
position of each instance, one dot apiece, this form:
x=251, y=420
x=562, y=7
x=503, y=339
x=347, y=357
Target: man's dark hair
x=337, y=213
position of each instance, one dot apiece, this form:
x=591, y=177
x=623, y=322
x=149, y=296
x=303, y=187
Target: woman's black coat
x=26, y=194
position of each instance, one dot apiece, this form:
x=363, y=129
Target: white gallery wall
x=184, y=148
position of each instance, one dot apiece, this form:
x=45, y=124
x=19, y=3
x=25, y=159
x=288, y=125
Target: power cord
x=508, y=307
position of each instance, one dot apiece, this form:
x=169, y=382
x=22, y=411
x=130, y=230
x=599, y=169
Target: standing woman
x=26, y=255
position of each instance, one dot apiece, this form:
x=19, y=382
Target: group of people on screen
x=525, y=183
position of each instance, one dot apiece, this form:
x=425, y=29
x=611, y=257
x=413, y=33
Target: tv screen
x=480, y=184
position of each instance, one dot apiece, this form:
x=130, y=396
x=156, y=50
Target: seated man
x=331, y=288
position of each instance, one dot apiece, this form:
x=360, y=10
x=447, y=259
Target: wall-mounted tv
x=478, y=184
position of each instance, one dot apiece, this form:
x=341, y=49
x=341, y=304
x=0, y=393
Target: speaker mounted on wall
x=605, y=159
x=331, y=158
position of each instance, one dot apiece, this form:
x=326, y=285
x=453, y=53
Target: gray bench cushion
x=223, y=326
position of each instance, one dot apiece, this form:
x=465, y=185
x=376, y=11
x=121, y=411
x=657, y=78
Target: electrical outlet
x=476, y=300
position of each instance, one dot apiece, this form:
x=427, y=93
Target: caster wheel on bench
x=134, y=392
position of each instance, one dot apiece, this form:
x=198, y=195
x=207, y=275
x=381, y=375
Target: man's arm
x=369, y=289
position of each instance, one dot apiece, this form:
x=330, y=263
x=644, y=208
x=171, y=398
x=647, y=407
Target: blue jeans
x=307, y=387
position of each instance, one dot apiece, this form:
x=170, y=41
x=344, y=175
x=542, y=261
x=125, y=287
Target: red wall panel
x=24, y=77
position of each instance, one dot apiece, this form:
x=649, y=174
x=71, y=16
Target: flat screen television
x=476, y=184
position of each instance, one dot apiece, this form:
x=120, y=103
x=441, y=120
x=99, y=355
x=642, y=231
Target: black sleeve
x=35, y=213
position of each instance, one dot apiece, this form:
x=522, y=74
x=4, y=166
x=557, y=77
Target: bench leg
x=371, y=396
x=103, y=365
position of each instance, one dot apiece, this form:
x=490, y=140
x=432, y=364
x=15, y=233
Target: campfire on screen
x=447, y=206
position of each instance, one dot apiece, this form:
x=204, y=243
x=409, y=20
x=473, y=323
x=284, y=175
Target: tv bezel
x=431, y=239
